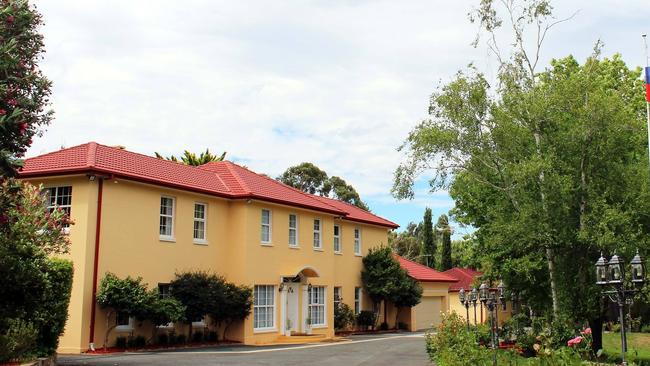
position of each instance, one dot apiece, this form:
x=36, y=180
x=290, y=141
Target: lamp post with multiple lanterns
x=612, y=273
x=465, y=301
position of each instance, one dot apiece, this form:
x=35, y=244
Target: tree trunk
x=189, y=338
x=550, y=255
x=225, y=330
x=397, y=309
x=596, y=326
x=108, y=327
x=386, y=313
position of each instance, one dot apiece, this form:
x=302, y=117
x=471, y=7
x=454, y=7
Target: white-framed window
x=317, y=306
x=317, y=227
x=337, y=239
x=337, y=296
x=264, y=307
x=266, y=226
x=200, y=219
x=164, y=290
x=59, y=198
x=357, y=300
x=124, y=322
x=357, y=241
x=293, y=230
x=167, y=218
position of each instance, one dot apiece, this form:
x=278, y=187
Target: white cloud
x=338, y=83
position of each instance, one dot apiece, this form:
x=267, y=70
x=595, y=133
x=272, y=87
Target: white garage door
x=427, y=312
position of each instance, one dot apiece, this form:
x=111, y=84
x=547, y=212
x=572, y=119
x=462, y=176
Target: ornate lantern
x=601, y=271
x=462, y=296
x=638, y=269
x=484, y=292
x=616, y=274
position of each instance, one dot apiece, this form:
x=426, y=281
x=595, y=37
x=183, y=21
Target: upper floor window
x=317, y=306
x=266, y=226
x=167, y=218
x=293, y=230
x=263, y=307
x=357, y=241
x=59, y=198
x=337, y=239
x=317, y=241
x=199, y=222
x=164, y=290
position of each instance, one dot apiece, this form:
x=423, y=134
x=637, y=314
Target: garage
x=435, y=295
x=427, y=312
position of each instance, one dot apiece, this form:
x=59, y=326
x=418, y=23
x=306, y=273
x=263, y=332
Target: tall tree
x=24, y=90
x=429, y=247
x=444, y=230
x=309, y=178
x=190, y=158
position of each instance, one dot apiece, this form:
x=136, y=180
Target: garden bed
x=155, y=347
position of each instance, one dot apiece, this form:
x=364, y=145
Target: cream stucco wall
x=130, y=246
x=481, y=312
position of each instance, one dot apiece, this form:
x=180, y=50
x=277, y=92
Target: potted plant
x=288, y=328
x=308, y=325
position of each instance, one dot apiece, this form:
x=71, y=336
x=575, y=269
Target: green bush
x=343, y=316
x=140, y=341
x=453, y=345
x=53, y=312
x=163, y=339
x=402, y=326
x=120, y=342
x=645, y=329
x=483, y=334
x=365, y=319
x=18, y=340
x=616, y=327
x=383, y=326
x=197, y=337
x=212, y=337
x=561, y=331
x=180, y=339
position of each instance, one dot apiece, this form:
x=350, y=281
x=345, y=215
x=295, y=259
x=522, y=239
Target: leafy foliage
x=17, y=340
x=309, y=178
x=366, y=318
x=453, y=345
x=444, y=230
x=429, y=245
x=198, y=291
x=343, y=316
x=190, y=158
x=24, y=91
x=235, y=305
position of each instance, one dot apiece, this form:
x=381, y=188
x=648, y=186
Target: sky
x=338, y=83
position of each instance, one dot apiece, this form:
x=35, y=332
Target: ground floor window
x=124, y=321
x=317, y=305
x=337, y=297
x=357, y=300
x=263, y=307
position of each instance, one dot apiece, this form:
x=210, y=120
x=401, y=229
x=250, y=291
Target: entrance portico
x=294, y=290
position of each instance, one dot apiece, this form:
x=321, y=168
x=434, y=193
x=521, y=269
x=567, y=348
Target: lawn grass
x=638, y=345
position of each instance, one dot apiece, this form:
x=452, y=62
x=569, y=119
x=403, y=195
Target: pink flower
x=574, y=341
x=12, y=102
x=10, y=19
x=586, y=331
x=2, y=112
x=22, y=127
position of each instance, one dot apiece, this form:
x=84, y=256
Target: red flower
x=2, y=112
x=22, y=127
x=12, y=102
x=586, y=331
x=10, y=19
x=574, y=341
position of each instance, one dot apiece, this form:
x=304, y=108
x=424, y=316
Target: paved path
x=376, y=350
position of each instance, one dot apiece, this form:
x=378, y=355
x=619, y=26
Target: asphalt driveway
x=376, y=350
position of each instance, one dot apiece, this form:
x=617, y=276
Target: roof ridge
x=58, y=151
x=243, y=184
x=92, y=154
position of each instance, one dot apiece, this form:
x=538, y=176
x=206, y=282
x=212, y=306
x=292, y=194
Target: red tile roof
x=465, y=276
x=421, y=272
x=223, y=179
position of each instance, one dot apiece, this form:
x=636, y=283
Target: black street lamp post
x=465, y=300
x=474, y=298
x=491, y=298
x=612, y=274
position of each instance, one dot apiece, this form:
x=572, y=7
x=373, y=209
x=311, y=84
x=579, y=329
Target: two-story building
x=136, y=215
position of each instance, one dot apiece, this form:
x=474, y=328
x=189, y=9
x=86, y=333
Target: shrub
x=140, y=341
x=483, y=334
x=453, y=345
x=212, y=336
x=343, y=317
x=53, y=311
x=383, y=326
x=645, y=329
x=562, y=330
x=181, y=339
x=18, y=340
x=120, y=342
x=402, y=326
x=197, y=337
x=163, y=339
x=365, y=319
x=616, y=327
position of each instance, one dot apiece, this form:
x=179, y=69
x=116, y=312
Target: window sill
x=338, y=253
x=167, y=239
x=357, y=255
x=320, y=326
x=124, y=328
x=200, y=242
x=264, y=330
x=294, y=246
x=318, y=250
x=266, y=244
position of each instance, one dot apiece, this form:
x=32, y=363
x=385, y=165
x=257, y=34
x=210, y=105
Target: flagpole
x=647, y=103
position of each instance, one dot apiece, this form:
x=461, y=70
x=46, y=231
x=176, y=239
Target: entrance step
x=300, y=338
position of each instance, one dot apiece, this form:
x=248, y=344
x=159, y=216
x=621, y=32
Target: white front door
x=291, y=305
